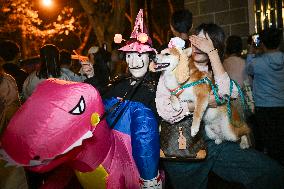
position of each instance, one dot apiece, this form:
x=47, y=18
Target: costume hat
x=139, y=40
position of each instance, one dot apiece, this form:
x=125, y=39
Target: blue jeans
x=249, y=167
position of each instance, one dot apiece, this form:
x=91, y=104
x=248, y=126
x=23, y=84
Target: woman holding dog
x=247, y=167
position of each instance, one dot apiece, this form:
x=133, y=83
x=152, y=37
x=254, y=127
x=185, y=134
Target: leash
x=219, y=100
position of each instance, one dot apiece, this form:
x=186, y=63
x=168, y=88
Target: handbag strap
x=131, y=91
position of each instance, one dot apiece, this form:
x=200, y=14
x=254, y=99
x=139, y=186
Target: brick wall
x=231, y=15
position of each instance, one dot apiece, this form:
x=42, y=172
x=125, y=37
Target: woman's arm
x=221, y=77
x=164, y=106
x=223, y=83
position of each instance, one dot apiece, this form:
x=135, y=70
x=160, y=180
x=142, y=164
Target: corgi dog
x=218, y=126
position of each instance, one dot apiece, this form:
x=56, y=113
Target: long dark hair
x=49, y=58
x=217, y=35
x=234, y=45
x=181, y=21
x=101, y=70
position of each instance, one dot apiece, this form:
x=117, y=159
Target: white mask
x=137, y=63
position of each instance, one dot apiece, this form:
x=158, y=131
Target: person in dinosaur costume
x=62, y=125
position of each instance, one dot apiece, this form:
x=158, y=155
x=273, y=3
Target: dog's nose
x=153, y=57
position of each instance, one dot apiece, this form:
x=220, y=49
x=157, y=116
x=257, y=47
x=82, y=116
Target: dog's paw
x=244, y=144
x=194, y=130
x=175, y=103
x=176, y=106
x=218, y=141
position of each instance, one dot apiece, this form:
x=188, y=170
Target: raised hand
x=203, y=44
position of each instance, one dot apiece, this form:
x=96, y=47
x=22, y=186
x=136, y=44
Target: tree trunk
x=133, y=11
x=85, y=40
x=117, y=23
x=105, y=24
x=24, y=50
x=89, y=8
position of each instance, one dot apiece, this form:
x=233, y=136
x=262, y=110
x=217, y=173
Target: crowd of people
x=260, y=75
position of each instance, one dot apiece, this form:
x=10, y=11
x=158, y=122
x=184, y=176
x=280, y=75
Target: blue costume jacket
x=140, y=123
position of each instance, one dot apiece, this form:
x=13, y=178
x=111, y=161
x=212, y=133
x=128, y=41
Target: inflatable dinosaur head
x=51, y=123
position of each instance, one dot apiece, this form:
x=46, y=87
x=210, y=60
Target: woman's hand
x=212, y=102
x=203, y=44
x=87, y=68
x=206, y=45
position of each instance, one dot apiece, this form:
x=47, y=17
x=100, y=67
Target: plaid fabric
x=270, y=126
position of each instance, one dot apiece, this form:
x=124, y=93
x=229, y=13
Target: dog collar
x=176, y=91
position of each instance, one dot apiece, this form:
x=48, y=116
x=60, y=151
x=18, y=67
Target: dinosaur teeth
x=89, y=134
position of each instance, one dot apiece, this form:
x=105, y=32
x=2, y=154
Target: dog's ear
x=188, y=51
x=182, y=70
x=180, y=51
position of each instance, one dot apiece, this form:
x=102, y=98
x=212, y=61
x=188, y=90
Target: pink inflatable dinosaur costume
x=60, y=125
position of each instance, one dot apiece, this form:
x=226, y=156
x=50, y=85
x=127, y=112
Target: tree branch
x=85, y=40
x=171, y=7
x=128, y=17
x=158, y=39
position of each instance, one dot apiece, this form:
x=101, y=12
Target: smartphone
x=105, y=46
x=256, y=40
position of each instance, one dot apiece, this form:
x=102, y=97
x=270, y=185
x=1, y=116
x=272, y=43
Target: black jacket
x=144, y=93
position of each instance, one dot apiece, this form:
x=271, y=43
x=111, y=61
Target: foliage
x=21, y=16
x=107, y=17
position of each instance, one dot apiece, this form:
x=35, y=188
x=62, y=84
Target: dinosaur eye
x=139, y=55
x=167, y=54
x=128, y=56
x=79, y=108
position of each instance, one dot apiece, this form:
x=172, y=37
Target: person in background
x=267, y=71
x=258, y=50
x=181, y=24
x=65, y=62
x=30, y=64
x=10, y=177
x=92, y=52
x=234, y=65
x=87, y=67
x=98, y=75
x=9, y=97
x=101, y=69
x=49, y=58
x=10, y=52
